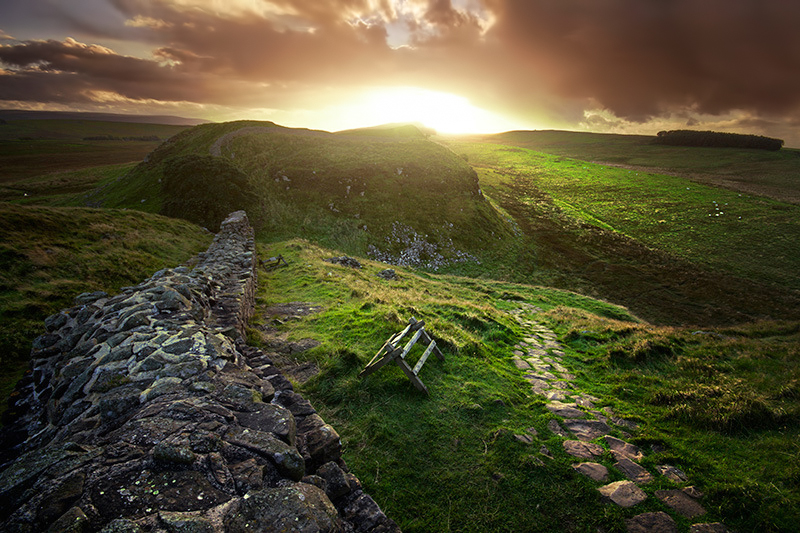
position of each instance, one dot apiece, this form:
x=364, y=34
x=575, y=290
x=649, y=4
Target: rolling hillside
x=385, y=192
x=653, y=299
x=759, y=172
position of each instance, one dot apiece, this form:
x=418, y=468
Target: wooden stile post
x=391, y=351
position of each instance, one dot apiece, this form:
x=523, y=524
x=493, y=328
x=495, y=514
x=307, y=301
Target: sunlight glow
x=444, y=112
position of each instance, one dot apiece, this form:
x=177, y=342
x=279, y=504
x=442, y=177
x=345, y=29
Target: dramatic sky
x=457, y=65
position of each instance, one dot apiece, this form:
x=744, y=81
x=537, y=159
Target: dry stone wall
x=146, y=411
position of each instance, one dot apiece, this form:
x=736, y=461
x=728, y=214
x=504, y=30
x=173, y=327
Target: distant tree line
x=115, y=138
x=717, y=139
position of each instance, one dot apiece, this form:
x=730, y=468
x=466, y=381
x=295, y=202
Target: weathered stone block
x=335, y=480
x=286, y=458
x=172, y=454
x=273, y=419
x=320, y=440
x=300, y=507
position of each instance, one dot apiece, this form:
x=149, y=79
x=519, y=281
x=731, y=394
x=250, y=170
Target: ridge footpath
x=146, y=411
x=585, y=427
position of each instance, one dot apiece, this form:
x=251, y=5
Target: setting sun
x=444, y=112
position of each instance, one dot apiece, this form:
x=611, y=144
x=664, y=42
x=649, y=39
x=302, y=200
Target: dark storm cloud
x=640, y=58
x=70, y=72
x=54, y=71
x=222, y=58
x=311, y=41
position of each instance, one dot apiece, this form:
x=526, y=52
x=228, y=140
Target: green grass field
x=740, y=245
x=721, y=406
x=41, y=150
x=701, y=345
x=759, y=172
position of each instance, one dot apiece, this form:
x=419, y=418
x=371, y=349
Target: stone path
x=587, y=431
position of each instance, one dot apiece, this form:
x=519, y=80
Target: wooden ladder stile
x=424, y=357
x=390, y=351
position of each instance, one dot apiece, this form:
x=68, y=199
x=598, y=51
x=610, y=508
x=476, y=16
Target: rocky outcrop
x=146, y=411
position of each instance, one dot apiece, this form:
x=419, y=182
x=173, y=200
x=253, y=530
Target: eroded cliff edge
x=146, y=411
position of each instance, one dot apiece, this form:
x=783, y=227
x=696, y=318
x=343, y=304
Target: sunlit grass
x=739, y=233
x=449, y=462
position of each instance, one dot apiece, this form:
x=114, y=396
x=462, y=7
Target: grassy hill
x=672, y=249
x=54, y=157
x=388, y=192
x=671, y=310
x=758, y=172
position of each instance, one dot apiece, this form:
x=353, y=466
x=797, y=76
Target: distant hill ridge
x=16, y=114
x=388, y=192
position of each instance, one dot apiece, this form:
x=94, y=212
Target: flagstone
x=587, y=429
x=557, y=429
x=672, y=473
x=584, y=402
x=519, y=363
x=623, y=493
x=542, y=375
x=524, y=439
x=633, y=471
x=621, y=449
x=558, y=396
x=680, y=502
x=582, y=450
x=594, y=471
x=565, y=410
x=657, y=522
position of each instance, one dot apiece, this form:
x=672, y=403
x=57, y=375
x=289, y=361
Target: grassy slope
x=353, y=190
x=449, y=462
x=760, y=172
x=724, y=404
x=62, y=188
x=50, y=255
x=673, y=250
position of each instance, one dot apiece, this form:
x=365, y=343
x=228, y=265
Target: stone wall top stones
x=146, y=411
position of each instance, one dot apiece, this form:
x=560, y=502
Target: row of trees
x=717, y=139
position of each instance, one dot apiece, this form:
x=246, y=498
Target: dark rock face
x=142, y=412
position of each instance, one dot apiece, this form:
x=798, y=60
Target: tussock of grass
x=730, y=406
x=721, y=402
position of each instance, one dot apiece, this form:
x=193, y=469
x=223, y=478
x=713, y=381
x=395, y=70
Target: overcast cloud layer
x=607, y=65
